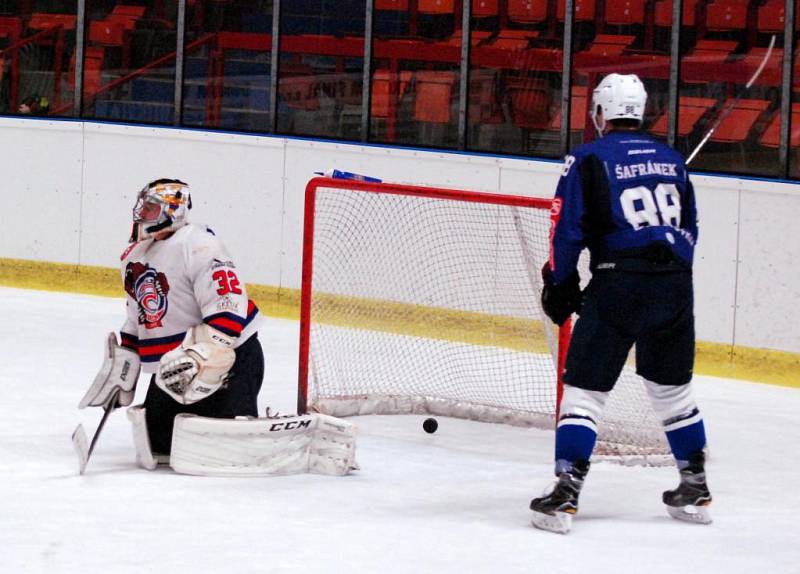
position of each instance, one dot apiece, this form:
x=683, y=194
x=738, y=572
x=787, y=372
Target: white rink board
x=41, y=167
x=73, y=183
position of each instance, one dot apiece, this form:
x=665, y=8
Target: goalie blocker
x=248, y=446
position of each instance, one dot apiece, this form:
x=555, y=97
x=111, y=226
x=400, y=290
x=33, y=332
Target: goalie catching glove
x=199, y=367
x=120, y=371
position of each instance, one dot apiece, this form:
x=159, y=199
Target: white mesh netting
x=426, y=304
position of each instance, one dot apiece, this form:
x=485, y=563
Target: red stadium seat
x=514, y=39
x=392, y=5
x=434, y=91
x=690, y=111
x=663, y=13
x=736, y=127
x=10, y=28
x=585, y=10
x=579, y=112
x=772, y=16
x=476, y=37
x=381, y=86
x=712, y=50
x=772, y=73
x=624, y=12
x=611, y=44
x=726, y=15
x=92, y=71
x=134, y=12
x=104, y=33
x=530, y=103
x=527, y=11
x=771, y=136
x=41, y=21
x=436, y=6
x=484, y=8
x=484, y=102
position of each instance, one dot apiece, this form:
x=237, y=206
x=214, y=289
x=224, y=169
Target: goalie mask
x=618, y=97
x=161, y=205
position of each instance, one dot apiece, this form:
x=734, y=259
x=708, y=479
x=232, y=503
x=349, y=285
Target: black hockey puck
x=430, y=425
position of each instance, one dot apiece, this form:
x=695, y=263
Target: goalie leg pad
x=263, y=446
x=144, y=454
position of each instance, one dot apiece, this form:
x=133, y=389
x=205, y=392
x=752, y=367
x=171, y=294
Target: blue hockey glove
x=560, y=300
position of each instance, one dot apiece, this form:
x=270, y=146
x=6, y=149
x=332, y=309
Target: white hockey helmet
x=161, y=205
x=618, y=96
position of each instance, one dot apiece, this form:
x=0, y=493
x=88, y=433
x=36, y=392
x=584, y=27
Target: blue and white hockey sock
x=576, y=434
x=681, y=418
x=686, y=435
x=574, y=442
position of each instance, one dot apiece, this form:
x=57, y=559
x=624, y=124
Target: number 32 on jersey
x=228, y=282
x=643, y=207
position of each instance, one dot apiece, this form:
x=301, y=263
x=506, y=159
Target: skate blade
x=690, y=513
x=560, y=522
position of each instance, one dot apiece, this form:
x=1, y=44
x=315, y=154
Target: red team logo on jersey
x=555, y=215
x=149, y=288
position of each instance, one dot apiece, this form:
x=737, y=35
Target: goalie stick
x=83, y=448
x=735, y=101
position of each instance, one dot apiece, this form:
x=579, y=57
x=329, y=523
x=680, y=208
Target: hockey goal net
x=424, y=300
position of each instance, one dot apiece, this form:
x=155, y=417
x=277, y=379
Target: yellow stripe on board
x=715, y=359
x=430, y=322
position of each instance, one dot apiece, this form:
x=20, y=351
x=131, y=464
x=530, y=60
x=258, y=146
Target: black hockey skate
x=690, y=501
x=554, y=511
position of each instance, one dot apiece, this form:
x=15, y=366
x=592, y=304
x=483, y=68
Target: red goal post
x=426, y=300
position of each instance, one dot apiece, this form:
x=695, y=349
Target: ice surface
x=452, y=502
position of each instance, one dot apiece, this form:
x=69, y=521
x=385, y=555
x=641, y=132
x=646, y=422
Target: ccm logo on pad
x=289, y=425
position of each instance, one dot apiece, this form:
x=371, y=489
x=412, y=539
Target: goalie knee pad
x=263, y=446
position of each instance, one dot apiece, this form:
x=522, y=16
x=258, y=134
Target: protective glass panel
x=321, y=68
x=37, y=47
x=617, y=36
x=415, y=66
x=794, y=120
x=731, y=60
x=515, y=78
x=227, y=65
x=129, y=61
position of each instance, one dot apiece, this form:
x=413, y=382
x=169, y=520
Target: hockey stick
x=82, y=446
x=735, y=101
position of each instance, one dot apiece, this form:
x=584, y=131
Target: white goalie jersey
x=179, y=282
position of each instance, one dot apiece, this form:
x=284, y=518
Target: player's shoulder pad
x=575, y=157
x=202, y=241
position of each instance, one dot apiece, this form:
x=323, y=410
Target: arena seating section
x=515, y=66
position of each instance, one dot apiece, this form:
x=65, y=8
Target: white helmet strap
x=599, y=122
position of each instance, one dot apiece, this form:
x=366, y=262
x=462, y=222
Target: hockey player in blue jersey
x=628, y=199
